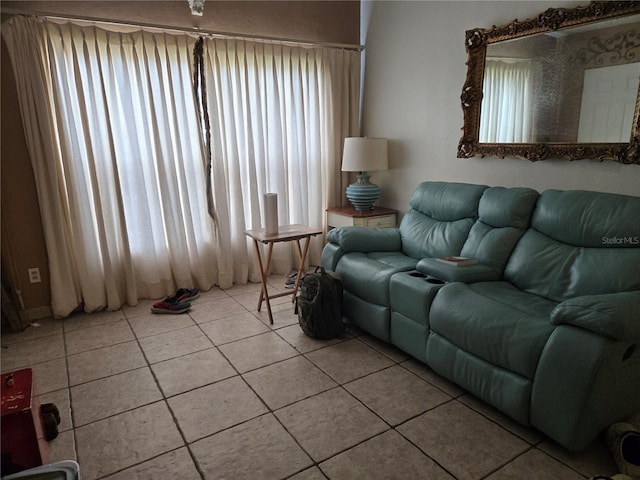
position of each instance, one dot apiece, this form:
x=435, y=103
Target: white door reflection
x=608, y=103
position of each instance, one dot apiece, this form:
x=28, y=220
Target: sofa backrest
x=579, y=243
x=440, y=218
x=503, y=216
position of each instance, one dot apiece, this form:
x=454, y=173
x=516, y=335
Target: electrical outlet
x=34, y=275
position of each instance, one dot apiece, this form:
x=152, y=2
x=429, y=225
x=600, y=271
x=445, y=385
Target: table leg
x=302, y=255
x=266, y=274
x=264, y=294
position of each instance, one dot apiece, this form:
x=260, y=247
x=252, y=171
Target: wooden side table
x=286, y=233
x=348, y=216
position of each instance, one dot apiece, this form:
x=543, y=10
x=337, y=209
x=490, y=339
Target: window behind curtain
x=279, y=115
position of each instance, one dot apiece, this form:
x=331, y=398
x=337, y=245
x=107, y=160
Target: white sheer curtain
x=278, y=115
x=116, y=147
x=116, y=144
x=507, y=104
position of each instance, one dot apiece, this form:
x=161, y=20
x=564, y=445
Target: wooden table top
x=286, y=233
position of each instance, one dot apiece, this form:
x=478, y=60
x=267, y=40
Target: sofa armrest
x=363, y=239
x=452, y=273
x=614, y=315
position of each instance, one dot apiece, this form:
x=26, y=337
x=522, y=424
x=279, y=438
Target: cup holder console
x=429, y=279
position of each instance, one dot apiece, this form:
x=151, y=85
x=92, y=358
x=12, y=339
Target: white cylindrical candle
x=271, y=213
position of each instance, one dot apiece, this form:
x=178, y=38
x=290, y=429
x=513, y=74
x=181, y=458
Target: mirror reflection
x=575, y=85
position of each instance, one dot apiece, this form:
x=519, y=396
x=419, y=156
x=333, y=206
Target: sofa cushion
x=557, y=271
x=503, y=215
x=494, y=321
x=367, y=275
x=440, y=218
x=507, y=207
x=423, y=236
x=447, y=201
x=580, y=243
x=589, y=219
x=491, y=246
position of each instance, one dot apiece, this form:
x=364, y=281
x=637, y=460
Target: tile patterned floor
x=218, y=393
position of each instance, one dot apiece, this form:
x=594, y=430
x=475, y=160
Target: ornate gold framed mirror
x=565, y=84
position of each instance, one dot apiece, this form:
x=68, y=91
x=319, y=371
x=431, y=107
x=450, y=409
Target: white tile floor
x=218, y=393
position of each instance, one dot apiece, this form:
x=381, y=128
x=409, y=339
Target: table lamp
x=362, y=154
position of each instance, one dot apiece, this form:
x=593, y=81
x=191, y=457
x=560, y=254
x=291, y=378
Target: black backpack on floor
x=319, y=305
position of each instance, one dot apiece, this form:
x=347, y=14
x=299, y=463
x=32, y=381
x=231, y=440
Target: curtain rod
x=192, y=30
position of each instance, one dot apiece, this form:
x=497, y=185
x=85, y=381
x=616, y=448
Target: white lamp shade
x=363, y=154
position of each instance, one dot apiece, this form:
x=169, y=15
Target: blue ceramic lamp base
x=363, y=194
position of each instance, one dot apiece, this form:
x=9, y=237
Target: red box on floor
x=23, y=444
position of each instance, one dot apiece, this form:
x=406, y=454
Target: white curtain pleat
x=507, y=104
x=277, y=126
x=29, y=56
x=128, y=166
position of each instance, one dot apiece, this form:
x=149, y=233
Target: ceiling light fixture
x=197, y=7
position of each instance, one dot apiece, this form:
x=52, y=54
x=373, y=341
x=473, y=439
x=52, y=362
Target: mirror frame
x=476, y=42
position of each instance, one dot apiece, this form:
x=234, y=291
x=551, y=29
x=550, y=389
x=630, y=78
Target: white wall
x=414, y=71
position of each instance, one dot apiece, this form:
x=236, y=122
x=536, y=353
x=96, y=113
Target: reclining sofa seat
x=554, y=344
x=503, y=216
x=437, y=224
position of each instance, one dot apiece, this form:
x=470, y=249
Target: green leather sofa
x=545, y=327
